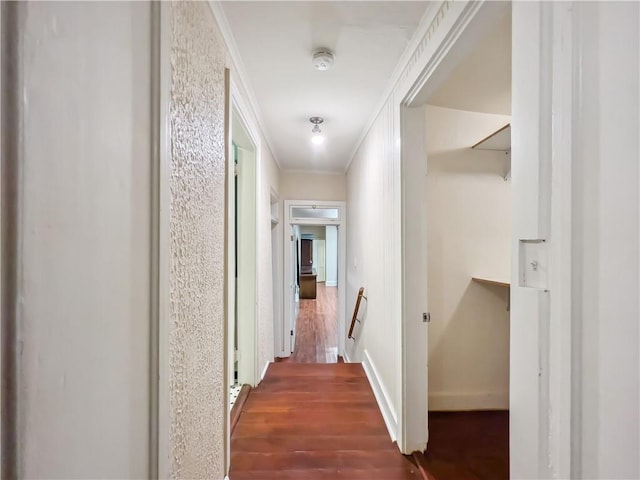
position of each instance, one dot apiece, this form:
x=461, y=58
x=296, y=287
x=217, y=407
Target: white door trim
x=549, y=434
x=162, y=205
x=248, y=368
x=288, y=280
x=413, y=434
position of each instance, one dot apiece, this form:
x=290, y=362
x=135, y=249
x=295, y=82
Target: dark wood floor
x=468, y=446
x=311, y=418
x=317, y=328
x=317, y=421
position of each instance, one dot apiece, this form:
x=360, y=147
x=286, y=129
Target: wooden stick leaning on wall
x=354, y=319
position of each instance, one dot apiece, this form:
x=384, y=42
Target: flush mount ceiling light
x=323, y=58
x=317, y=137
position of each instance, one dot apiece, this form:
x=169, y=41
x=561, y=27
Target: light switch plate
x=533, y=271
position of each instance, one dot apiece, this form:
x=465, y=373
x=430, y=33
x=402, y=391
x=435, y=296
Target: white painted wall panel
x=369, y=258
x=332, y=256
x=606, y=179
x=84, y=385
x=312, y=186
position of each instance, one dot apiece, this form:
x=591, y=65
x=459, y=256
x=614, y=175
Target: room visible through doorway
x=315, y=336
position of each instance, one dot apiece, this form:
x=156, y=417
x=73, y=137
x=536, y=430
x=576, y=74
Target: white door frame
x=288, y=278
x=541, y=338
x=162, y=205
x=248, y=289
x=413, y=430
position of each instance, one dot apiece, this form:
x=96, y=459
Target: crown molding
x=417, y=40
x=243, y=81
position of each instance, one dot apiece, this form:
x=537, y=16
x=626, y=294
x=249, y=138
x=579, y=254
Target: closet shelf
x=500, y=283
x=492, y=281
x=499, y=141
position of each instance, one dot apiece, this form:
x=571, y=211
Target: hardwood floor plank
x=308, y=421
x=316, y=338
x=327, y=474
x=304, y=443
x=295, y=429
x=284, y=406
x=354, y=459
x=347, y=416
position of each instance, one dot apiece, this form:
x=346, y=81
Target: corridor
x=314, y=422
x=156, y=157
x=317, y=328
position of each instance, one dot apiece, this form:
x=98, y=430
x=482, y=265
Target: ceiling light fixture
x=317, y=138
x=323, y=58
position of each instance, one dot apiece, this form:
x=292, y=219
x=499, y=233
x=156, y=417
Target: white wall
x=268, y=181
x=469, y=234
x=369, y=257
x=605, y=243
x=331, y=256
x=83, y=395
x=317, y=231
x=312, y=186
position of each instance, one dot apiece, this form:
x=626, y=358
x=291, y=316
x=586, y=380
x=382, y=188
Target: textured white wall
x=197, y=398
x=196, y=358
x=85, y=191
x=469, y=234
x=312, y=186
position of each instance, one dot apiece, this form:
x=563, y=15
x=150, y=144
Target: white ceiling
x=481, y=82
x=276, y=40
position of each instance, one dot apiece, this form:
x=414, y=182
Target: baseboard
x=382, y=397
x=345, y=356
x=447, y=401
x=331, y=284
x=264, y=371
x=236, y=410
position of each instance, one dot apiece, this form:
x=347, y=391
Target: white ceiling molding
x=243, y=83
x=427, y=21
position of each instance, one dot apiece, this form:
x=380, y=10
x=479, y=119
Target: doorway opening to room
x=462, y=118
x=242, y=245
x=313, y=325
x=315, y=329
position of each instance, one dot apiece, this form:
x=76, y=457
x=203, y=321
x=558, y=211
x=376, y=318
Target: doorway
x=315, y=330
x=314, y=280
x=456, y=129
x=242, y=245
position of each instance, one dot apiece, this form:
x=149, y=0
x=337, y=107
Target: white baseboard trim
x=331, y=284
x=264, y=371
x=345, y=356
x=460, y=401
x=382, y=397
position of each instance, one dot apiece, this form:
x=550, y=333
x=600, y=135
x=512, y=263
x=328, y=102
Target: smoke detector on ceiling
x=323, y=59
